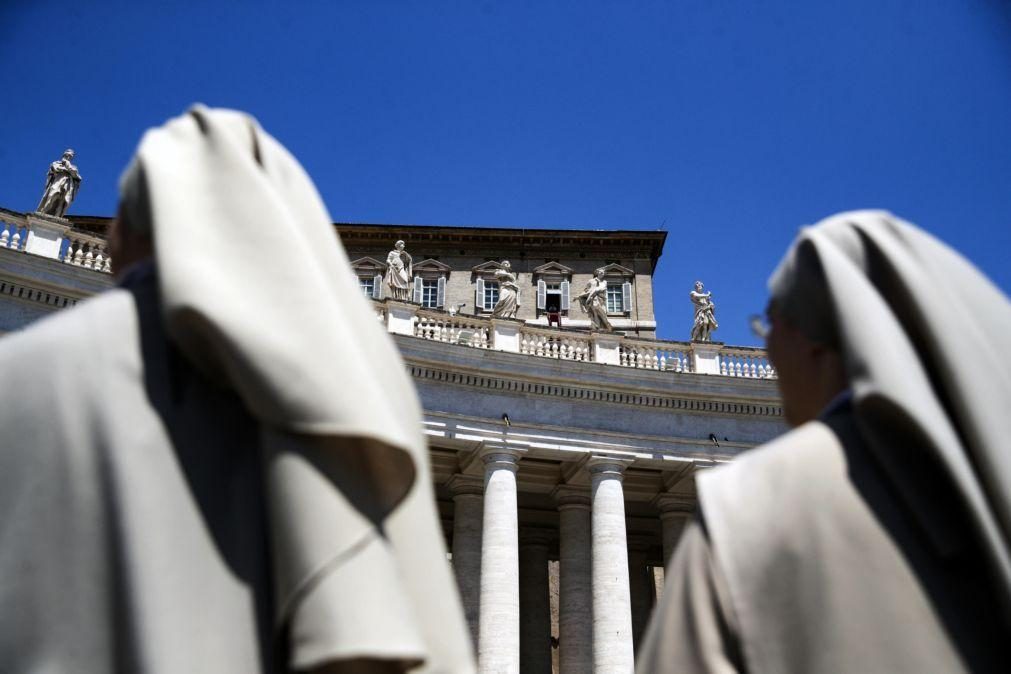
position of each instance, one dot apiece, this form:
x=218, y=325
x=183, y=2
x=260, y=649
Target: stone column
x=468, y=499
x=641, y=588
x=612, y=610
x=575, y=601
x=675, y=512
x=499, y=632
x=535, y=607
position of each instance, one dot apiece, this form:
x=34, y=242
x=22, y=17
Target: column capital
x=463, y=485
x=500, y=457
x=567, y=496
x=674, y=505
x=602, y=466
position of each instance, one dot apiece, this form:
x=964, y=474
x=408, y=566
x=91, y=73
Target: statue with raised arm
x=62, y=183
x=705, y=316
x=508, y=293
x=399, y=272
x=593, y=300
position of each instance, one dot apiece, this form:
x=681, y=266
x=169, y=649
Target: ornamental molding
x=487, y=382
x=432, y=265
x=368, y=264
x=615, y=269
x=489, y=267
x=36, y=295
x=552, y=269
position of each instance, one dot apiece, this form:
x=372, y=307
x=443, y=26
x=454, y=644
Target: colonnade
x=502, y=572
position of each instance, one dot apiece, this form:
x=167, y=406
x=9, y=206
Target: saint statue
x=508, y=293
x=62, y=183
x=593, y=299
x=705, y=317
x=399, y=272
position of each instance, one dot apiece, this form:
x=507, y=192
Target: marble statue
x=593, y=300
x=508, y=293
x=399, y=272
x=62, y=183
x=705, y=317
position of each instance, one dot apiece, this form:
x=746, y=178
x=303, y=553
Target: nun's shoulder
x=68, y=346
x=805, y=463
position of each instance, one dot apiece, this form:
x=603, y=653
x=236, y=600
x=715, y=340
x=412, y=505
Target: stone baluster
x=575, y=617
x=612, y=610
x=499, y=631
x=535, y=605
x=468, y=509
x=5, y=235
x=89, y=257
x=16, y=239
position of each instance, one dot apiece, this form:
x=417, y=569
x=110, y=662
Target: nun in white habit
x=219, y=465
x=875, y=536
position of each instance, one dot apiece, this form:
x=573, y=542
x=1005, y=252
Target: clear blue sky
x=728, y=123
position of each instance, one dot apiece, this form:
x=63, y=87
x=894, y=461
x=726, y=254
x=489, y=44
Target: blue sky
x=730, y=124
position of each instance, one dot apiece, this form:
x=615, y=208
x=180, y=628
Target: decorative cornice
x=36, y=295
x=367, y=263
x=552, y=268
x=561, y=390
x=432, y=264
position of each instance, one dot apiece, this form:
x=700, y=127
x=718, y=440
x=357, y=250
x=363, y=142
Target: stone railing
x=742, y=361
x=55, y=238
x=441, y=327
x=13, y=230
x=85, y=250
x=655, y=355
x=512, y=335
x=560, y=344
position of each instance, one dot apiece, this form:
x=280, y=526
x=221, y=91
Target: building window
x=430, y=293
x=614, y=303
x=367, y=284
x=490, y=294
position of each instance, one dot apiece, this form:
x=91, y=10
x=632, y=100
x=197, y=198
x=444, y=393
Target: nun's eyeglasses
x=760, y=325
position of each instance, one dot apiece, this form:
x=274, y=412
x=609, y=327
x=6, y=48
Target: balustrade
x=452, y=329
x=88, y=252
x=671, y=356
x=745, y=362
x=555, y=344
x=13, y=234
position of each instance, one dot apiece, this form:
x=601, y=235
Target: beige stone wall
x=461, y=284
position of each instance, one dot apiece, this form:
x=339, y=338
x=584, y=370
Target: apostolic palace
x=564, y=437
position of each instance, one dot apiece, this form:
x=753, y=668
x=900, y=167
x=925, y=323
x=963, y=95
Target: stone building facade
x=564, y=459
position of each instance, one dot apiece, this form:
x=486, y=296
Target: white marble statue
x=705, y=316
x=593, y=300
x=508, y=293
x=62, y=183
x=399, y=272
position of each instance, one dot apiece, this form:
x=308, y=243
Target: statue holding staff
x=705, y=317
x=62, y=183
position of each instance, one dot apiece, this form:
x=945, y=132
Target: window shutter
x=417, y=290
x=626, y=296
x=542, y=293
x=564, y=285
x=440, y=300
x=479, y=295
x=377, y=287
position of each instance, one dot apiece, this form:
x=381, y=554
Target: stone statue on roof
x=62, y=183
x=705, y=316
